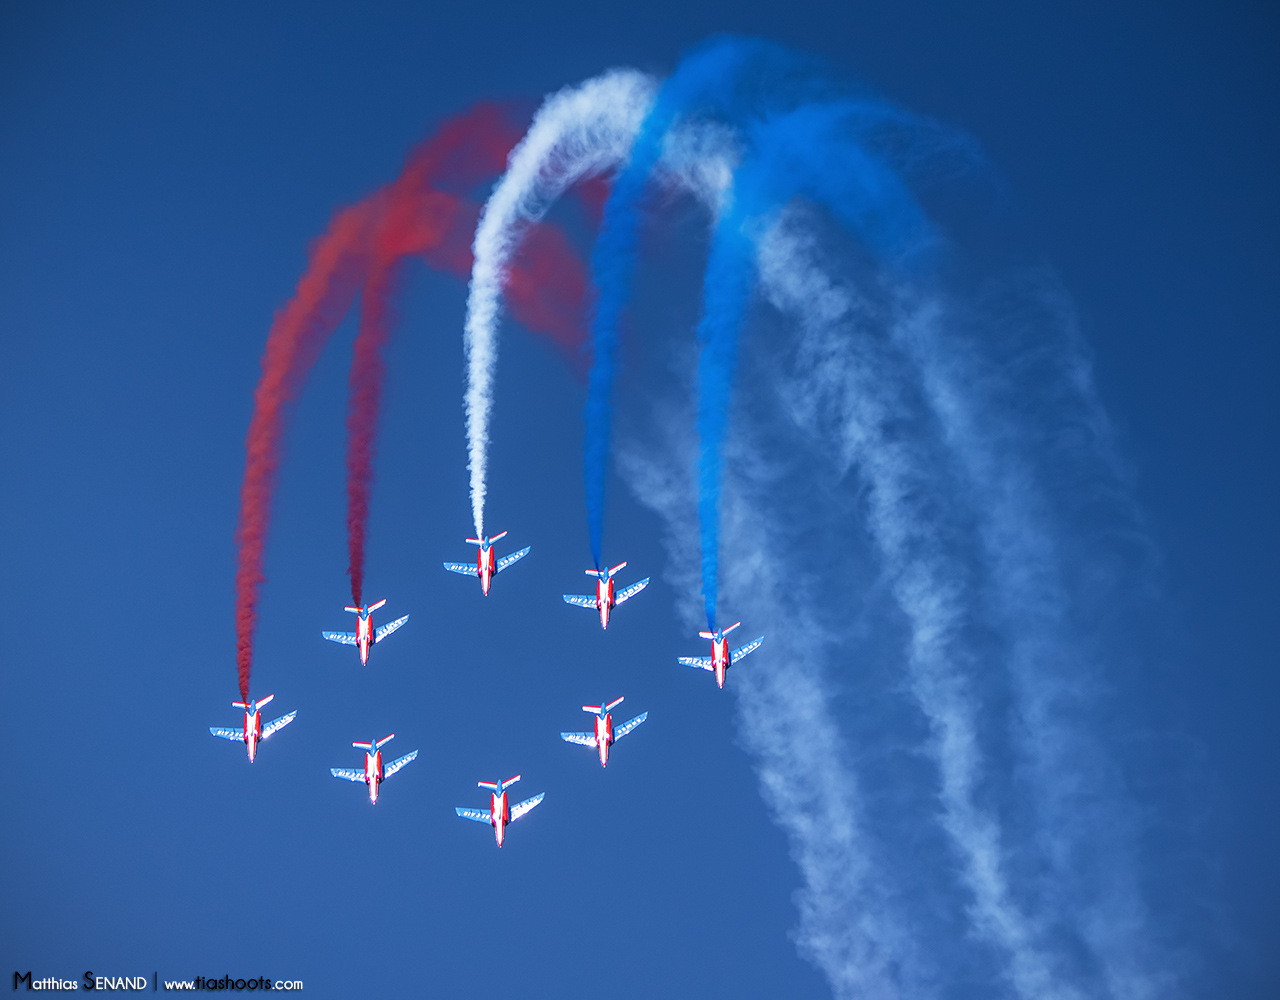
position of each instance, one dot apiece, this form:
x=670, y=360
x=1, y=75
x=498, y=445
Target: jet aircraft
x=374, y=773
x=487, y=565
x=606, y=599
x=365, y=634
x=499, y=813
x=605, y=735
x=254, y=731
x=720, y=659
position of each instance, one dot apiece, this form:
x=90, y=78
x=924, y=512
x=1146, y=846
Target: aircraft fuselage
x=499, y=815
x=720, y=658
x=364, y=635
x=252, y=731
x=604, y=599
x=604, y=736
x=486, y=566
x=373, y=772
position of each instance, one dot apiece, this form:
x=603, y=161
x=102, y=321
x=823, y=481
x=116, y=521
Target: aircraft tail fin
x=363, y=746
x=731, y=628
x=492, y=786
x=375, y=607
x=593, y=709
x=354, y=611
x=385, y=740
x=263, y=701
x=621, y=565
x=474, y=541
x=239, y=704
x=509, y=782
x=706, y=635
x=613, y=704
x=494, y=538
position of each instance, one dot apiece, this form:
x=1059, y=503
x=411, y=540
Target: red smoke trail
x=413, y=216
x=299, y=330
x=545, y=287
x=367, y=372
x=404, y=218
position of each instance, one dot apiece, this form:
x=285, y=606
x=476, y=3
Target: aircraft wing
x=476, y=815
x=626, y=727
x=346, y=638
x=228, y=734
x=396, y=764
x=275, y=724
x=742, y=651
x=466, y=569
x=581, y=600
x=586, y=739
x=705, y=662
x=350, y=773
x=520, y=808
x=506, y=561
x=382, y=631
x=629, y=592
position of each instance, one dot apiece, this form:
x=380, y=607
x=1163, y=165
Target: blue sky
x=164, y=171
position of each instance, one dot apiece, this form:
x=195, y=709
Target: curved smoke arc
x=580, y=132
x=546, y=291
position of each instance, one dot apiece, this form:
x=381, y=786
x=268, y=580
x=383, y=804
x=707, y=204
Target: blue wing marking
x=466, y=569
x=626, y=727
x=581, y=600
x=506, y=561
x=585, y=739
x=350, y=773
x=704, y=662
x=346, y=638
x=398, y=763
x=742, y=651
x=228, y=734
x=276, y=724
x=382, y=631
x=477, y=815
x=520, y=808
x=629, y=592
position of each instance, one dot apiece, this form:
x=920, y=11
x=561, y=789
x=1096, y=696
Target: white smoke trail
x=578, y=132
x=1074, y=786
x=951, y=507
x=849, y=924
x=848, y=921
x=950, y=514
x=928, y=583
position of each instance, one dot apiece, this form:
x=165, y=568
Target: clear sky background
x=162, y=171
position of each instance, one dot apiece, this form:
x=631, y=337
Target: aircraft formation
x=500, y=811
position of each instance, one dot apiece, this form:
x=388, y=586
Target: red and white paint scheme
x=605, y=735
x=365, y=634
x=374, y=774
x=254, y=731
x=721, y=659
x=487, y=565
x=500, y=812
x=606, y=599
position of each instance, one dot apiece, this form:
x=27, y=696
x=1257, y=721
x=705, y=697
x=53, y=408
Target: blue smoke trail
x=718, y=78
x=800, y=140
x=726, y=289
x=818, y=150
